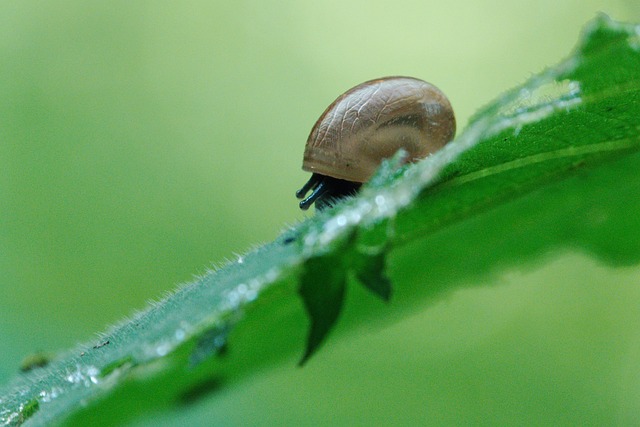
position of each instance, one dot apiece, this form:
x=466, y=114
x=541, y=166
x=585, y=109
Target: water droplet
x=163, y=349
x=93, y=373
x=272, y=274
x=252, y=295
x=241, y=288
x=49, y=395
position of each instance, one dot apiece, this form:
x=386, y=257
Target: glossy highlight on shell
x=367, y=124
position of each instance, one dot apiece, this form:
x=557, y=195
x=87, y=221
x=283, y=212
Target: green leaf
x=322, y=287
x=552, y=163
x=324, y=280
x=371, y=273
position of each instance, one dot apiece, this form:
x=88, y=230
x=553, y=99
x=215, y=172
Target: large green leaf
x=550, y=164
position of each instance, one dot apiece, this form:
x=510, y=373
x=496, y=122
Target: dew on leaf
x=543, y=99
x=49, y=395
x=163, y=349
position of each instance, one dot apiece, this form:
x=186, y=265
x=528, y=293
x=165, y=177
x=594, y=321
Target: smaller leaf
x=322, y=288
x=324, y=280
x=370, y=272
x=370, y=256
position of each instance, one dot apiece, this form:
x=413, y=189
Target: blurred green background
x=142, y=142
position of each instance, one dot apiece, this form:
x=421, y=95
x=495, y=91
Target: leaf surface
x=552, y=163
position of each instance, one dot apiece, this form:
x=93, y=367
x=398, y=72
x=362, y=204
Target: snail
x=367, y=124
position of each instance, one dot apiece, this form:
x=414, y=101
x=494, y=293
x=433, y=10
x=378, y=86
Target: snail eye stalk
x=325, y=191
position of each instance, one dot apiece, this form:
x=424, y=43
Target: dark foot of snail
x=325, y=190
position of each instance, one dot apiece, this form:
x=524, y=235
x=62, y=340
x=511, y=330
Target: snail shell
x=371, y=122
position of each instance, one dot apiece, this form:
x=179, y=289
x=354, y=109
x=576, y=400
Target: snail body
x=367, y=124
